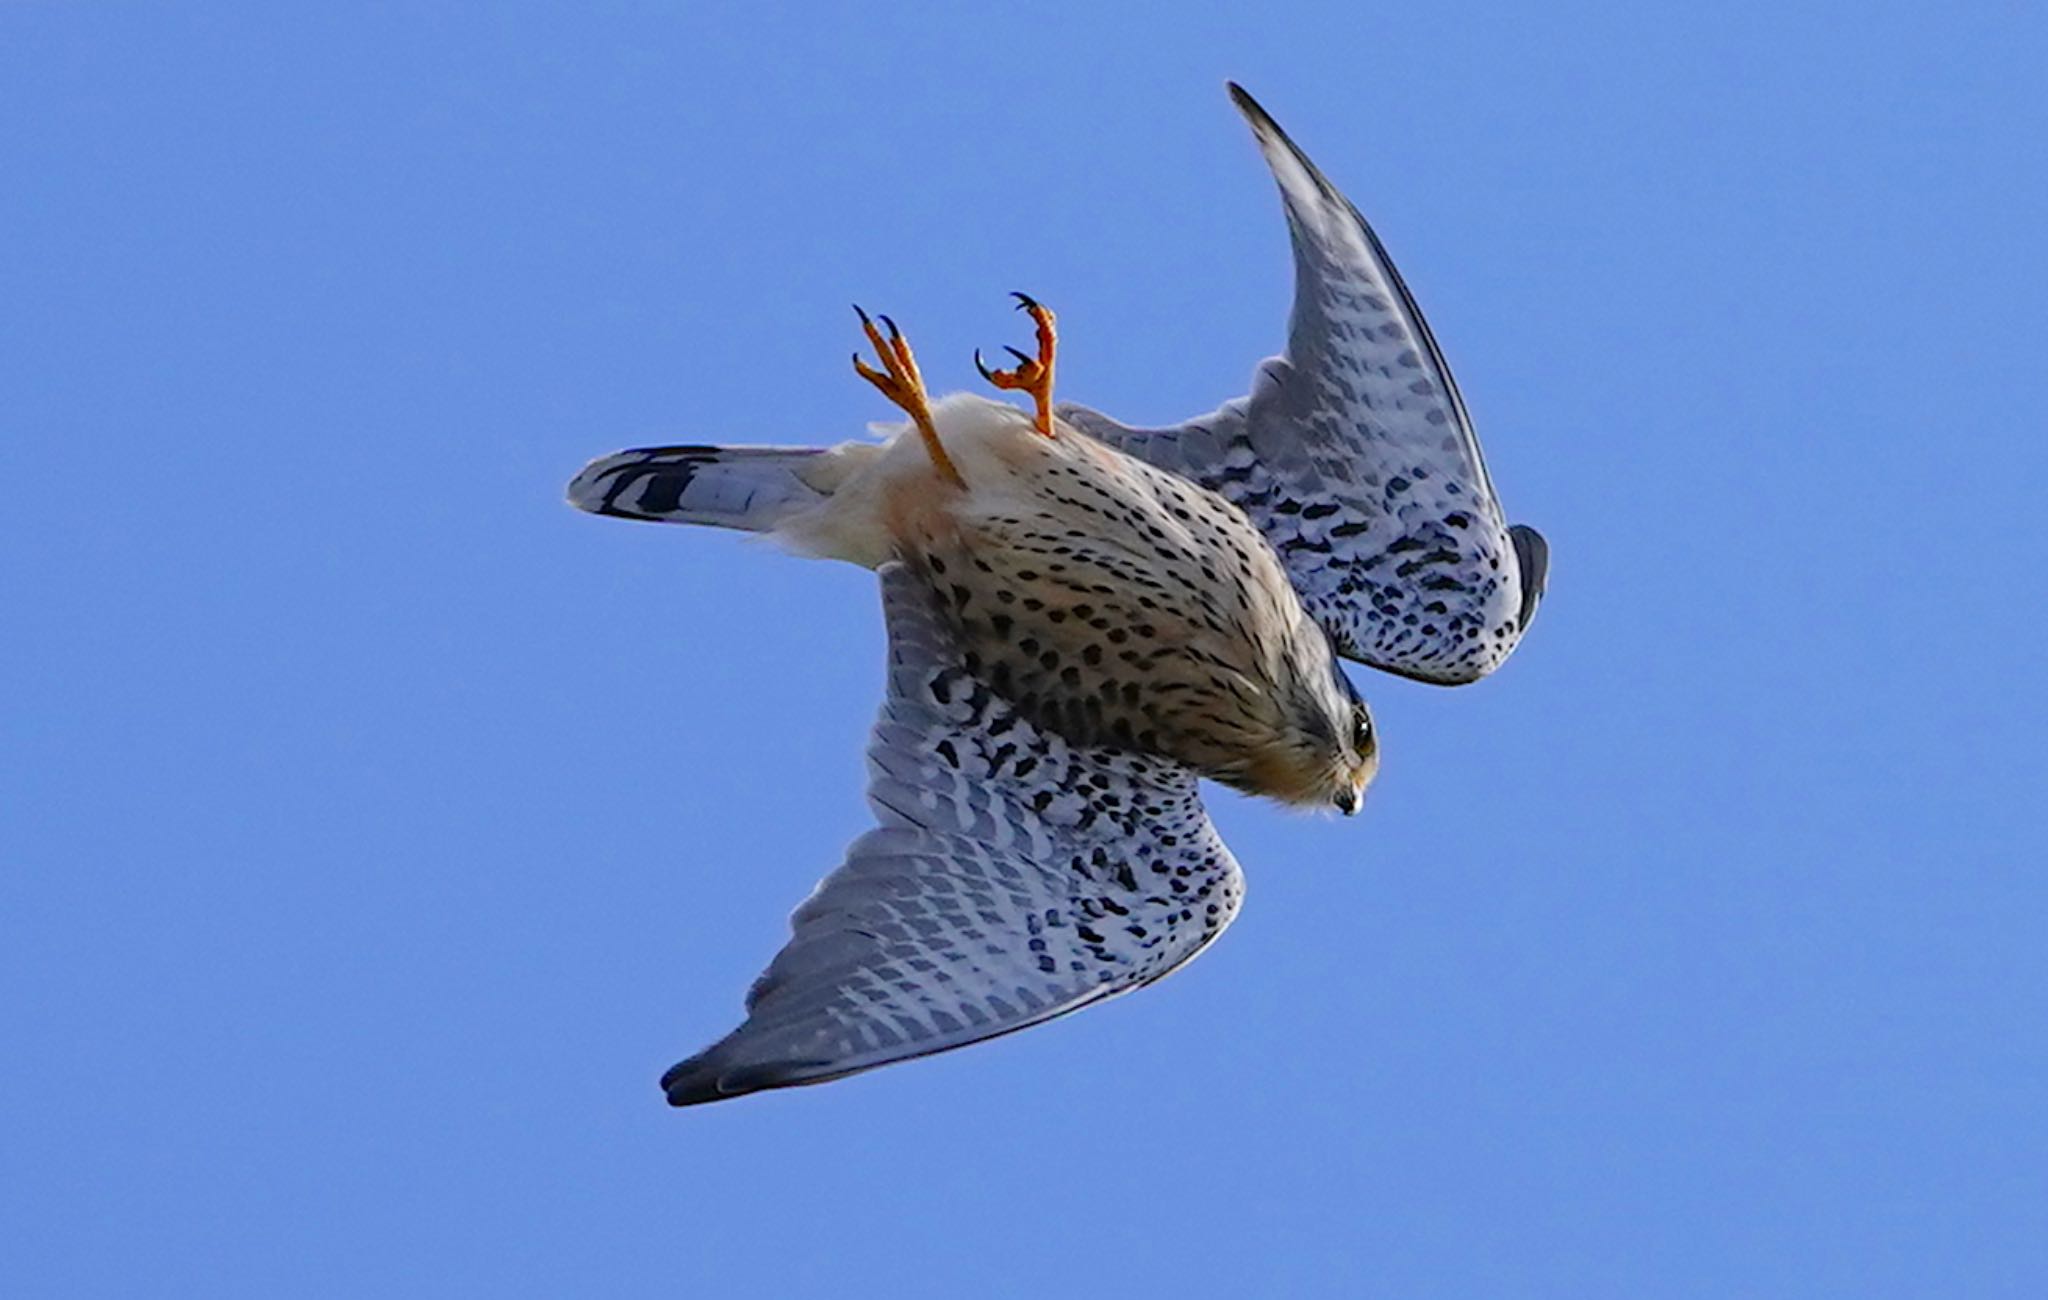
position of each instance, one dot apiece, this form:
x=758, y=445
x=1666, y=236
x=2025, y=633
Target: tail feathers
x=750, y=488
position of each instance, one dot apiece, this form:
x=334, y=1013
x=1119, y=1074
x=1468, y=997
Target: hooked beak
x=1347, y=801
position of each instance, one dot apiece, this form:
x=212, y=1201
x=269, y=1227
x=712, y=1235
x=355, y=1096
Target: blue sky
x=375, y=828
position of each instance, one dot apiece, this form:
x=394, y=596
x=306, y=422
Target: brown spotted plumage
x=1121, y=605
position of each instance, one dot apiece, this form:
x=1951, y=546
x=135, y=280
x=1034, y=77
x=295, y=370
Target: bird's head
x=1320, y=750
x=1357, y=762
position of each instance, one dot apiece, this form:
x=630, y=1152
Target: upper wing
x=1355, y=456
x=1012, y=878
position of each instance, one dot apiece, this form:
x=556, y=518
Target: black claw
x=1025, y=302
x=982, y=366
x=894, y=333
x=863, y=315
x=1026, y=359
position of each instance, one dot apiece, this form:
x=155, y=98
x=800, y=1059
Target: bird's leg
x=1033, y=374
x=903, y=385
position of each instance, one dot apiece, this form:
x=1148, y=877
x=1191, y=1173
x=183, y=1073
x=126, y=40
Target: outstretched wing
x=1355, y=456
x=1012, y=878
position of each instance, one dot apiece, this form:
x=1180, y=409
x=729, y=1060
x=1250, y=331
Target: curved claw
x=903, y=385
x=1032, y=374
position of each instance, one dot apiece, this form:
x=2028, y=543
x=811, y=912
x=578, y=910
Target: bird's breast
x=1111, y=604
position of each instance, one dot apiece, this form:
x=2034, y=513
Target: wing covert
x=1011, y=878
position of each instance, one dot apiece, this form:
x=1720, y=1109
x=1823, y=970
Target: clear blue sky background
x=374, y=829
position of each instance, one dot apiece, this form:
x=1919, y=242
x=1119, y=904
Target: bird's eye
x=1361, y=731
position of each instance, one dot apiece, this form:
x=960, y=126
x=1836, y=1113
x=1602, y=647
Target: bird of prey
x=1083, y=619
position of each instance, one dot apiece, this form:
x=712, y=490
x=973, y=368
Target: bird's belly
x=1112, y=610
x=1112, y=602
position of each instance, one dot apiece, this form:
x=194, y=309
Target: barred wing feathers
x=1011, y=878
x=1355, y=456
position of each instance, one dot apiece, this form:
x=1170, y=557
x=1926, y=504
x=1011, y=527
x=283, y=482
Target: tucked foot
x=903, y=385
x=1032, y=375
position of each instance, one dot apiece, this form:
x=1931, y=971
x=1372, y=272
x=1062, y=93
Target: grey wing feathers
x=1355, y=456
x=1012, y=878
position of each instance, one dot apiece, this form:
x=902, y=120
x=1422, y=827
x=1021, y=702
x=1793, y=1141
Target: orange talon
x=904, y=386
x=1033, y=374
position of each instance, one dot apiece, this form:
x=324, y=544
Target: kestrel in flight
x=1085, y=618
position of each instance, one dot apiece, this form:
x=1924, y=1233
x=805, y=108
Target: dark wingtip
x=1251, y=108
x=687, y=1094
x=692, y=1082
x=708, y=1077
x=1532, y=554
x=1270, y=137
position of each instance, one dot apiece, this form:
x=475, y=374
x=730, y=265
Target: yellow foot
x=904, y=386
x=1033, y=374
